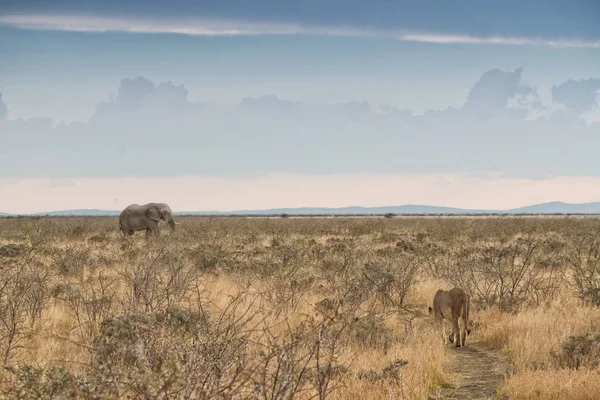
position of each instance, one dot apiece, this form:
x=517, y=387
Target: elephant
x=146, y=217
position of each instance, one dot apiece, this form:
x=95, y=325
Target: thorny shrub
x=71, y=260
x=89, y=302
x=579, y=351
x=23, y=295
x=506, y=270
x=158, y=278
x=583, y=255
x=266, y=308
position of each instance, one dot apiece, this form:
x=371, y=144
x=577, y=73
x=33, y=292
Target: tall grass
x=554, y=350
x=287, y=307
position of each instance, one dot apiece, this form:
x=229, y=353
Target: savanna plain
x=281, y=308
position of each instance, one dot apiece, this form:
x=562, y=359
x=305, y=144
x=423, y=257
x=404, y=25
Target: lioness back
x=453, y=305
x=450, y=300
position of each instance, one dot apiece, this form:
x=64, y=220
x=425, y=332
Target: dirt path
x=474, y=373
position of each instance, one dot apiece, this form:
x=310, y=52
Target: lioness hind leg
x=456, y=332
x=442, y=328
x=463, y=331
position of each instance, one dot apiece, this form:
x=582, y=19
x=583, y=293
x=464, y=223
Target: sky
x=244, y=105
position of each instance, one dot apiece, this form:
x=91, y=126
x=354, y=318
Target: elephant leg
x=152, y=227
x=148, y=232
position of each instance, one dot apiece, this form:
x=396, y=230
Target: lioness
x=453, y=305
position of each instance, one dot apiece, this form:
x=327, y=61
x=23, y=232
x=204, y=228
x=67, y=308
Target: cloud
x=592, y=116
x=440, y=38
x=268, y=103
x=390, y=110
x=352, y=107
x=492, y=91
x=141, y=94
x=528, y=98
x=578, y=96
x=153, y=130
x=181, y=26
x=3, y=108
x=37, y=124
x=273, y=104
x=496, y=94
x=195, y=26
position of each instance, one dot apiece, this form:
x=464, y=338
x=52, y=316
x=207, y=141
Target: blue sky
x=375, y=50
x=99, y=91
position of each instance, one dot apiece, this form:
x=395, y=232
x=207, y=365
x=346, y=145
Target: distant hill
x=555, y=207
x=354, y=210
x=82, y=212
x=558, y=207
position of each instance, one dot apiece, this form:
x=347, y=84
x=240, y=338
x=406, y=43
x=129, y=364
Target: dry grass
x=530, y=337
x=555, y=385
x=533, y=340
x=334, y=307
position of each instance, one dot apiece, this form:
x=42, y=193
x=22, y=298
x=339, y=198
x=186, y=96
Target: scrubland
x=280, y=308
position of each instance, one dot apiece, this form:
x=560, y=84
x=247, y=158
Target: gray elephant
x=145, y=217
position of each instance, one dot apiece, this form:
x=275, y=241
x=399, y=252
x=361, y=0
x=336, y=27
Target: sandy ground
x=475, y=373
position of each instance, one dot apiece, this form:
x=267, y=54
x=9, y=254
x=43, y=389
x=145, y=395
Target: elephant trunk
x=171, y=223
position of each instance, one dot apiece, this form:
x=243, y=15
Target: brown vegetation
x=278, y=308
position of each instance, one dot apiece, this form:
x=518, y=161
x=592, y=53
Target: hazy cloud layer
x=267, y=103
x=150, y=130
x=578, y=96
x=3, y=108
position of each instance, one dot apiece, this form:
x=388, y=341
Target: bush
x=12, y=250
x=505, y=270
x=579, y=351
x=583, y=255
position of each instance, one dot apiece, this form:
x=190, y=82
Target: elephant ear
x=153, y=214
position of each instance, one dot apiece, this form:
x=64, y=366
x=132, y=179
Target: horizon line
x=286, y=210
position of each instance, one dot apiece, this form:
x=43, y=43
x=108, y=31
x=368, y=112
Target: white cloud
x=491, y=191
x=213, y=27
x=3, y=108
x=578, y=96
x=505, y=40
x=592, y=116
x=182, y=26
